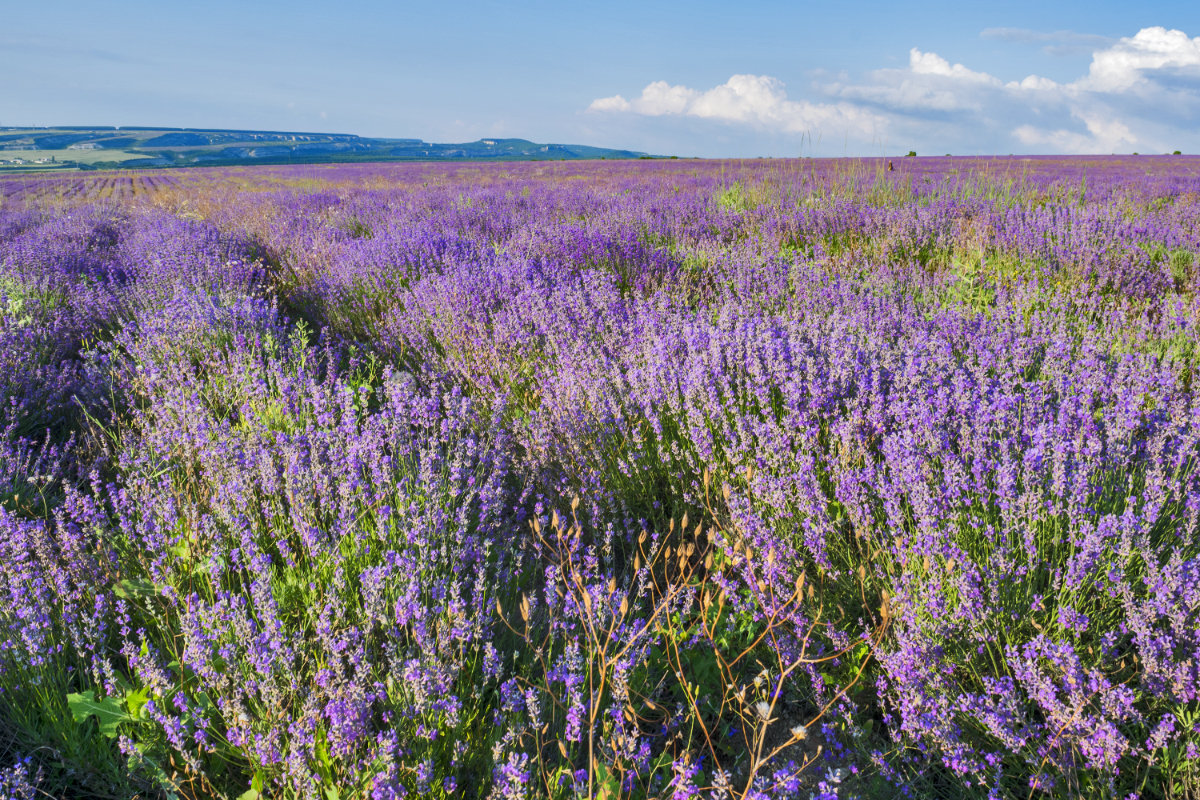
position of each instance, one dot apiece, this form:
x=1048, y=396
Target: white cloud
x=1103, y=135
x=1033, y=83
x=661, y=97
x=1140, y=92
x=1125, y=64
x=751, y=99
x=614, y=103
x=933, y=64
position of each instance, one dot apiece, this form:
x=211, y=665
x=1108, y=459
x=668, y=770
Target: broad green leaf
x=135, y=701
x=108, y=711
x=206, y=703
x=608, y=786
x=136, y=587
x=259, y=781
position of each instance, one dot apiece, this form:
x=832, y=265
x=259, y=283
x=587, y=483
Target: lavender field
x=645, y=479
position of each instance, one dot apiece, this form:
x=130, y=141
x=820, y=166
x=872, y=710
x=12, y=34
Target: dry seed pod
x=524, y=608
x=642, y=536
x=554, y=519
x=925, y=562
x=683, y=522
x=574, y=502
x=950, y=565
x=771, y=557
x=637, y=563
x=862, y=573
x=624, y=606
x=562, y=748
x=800, y=584
x=537, y=525
x=612, y=585
x=499, y=608
x=708, y=561
x=725, y=492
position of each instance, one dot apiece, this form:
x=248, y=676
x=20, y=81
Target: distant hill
x=82, y=147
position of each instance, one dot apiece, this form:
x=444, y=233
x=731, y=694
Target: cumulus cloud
x=614, y=103
x=933, y=64
x=1139, y=92
x=1131, y=60
x=1102, y=135
x=749, y=99
x=930, y=83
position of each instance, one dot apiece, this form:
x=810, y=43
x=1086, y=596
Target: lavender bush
x=623, y=480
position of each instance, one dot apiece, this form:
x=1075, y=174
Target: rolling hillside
x=74, y=147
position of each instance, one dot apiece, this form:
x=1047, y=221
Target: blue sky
x=697, y=78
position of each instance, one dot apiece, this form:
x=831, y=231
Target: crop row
x=644, y=479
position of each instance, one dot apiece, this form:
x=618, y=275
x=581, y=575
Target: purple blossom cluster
x=645, y=479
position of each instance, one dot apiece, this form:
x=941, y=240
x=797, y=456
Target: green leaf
x=135, y=701
x=131, y=588
x=168, y=786
x=257, y=784
x=206, y=704
x=608, y=786
x=108, y=711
